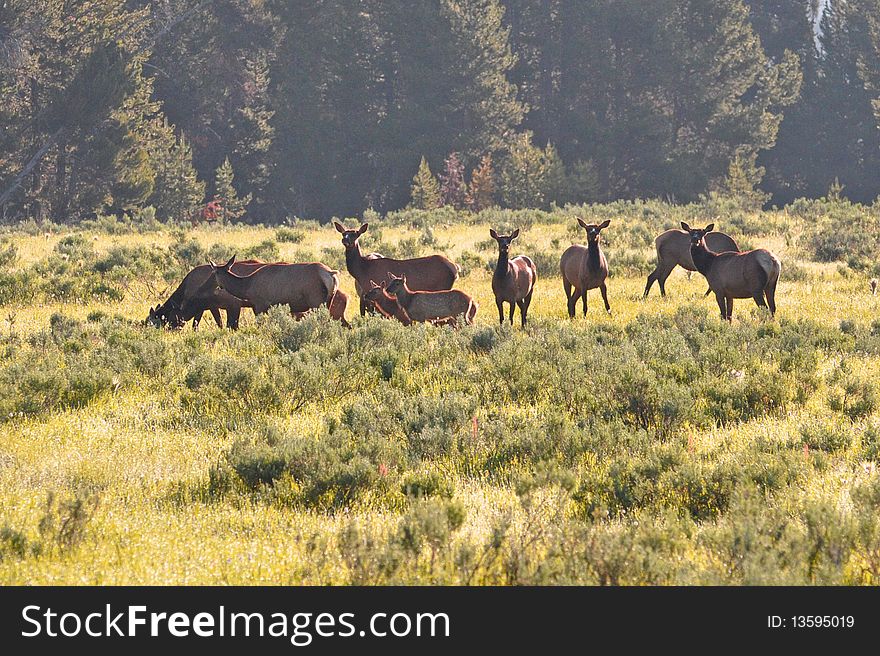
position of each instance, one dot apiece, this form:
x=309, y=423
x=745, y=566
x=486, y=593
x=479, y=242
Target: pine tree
x=453, y=189
x=524, y=175
x=481, y=192
x=743, y=178
x=232, y=207
x=425, y=192
x=178, y=192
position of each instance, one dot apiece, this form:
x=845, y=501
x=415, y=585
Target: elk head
x=504, y=240
x=696, y=234
x=593, y=229
x=395, y=284
x=350, y=237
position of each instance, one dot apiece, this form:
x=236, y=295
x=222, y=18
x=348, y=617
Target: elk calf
x=585, y=268
x=674, y=249
x=513, y=280
x=385, y=305
x=443, y=306
x=750, y=274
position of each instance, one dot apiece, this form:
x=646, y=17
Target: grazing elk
x=513, y=280
x=192, y=298
x=749, y=274
x=385, y=305
x=302, y=287
x=674, y=249
x=435, y=307
x=585, y=268
x=432, y=273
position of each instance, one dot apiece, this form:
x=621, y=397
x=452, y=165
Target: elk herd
x=420, y=289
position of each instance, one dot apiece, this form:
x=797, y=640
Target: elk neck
x=503, y=265
x=593, y=259
x=235, y=286
x=354, y=260
x=703, y=258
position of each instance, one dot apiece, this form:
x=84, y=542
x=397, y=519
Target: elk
x=585, y=268
x=385, y=305
x=191, y=299
x=440, y=306
x=337, y=307
x=874, y=286
x=513, y=280
x=432, y=273
x=674, y=249
x=302, y=287
x=748, y=274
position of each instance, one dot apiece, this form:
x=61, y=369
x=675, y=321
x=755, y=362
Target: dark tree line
x=326, y=108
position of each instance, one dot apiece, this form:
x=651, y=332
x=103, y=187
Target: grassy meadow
x=652, y=446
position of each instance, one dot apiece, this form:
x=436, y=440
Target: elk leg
x=363, y=307
x=500, y=305
x=720, y=298
x=233, y=314
x=524, y=308
x=572, y=302
x=730, y=308
x=651, y=278
x=771, y=297
x=215, y=312
x=512, y=310
x=604, y=291
x=759, y=298
x=196, y=318
x=585, y=302
x=661, y=279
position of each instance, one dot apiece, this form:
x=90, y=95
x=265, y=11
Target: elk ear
x=604, y=224
x=339, y=227
x=685, y=226
x=229, y=264
x=710, y=227
x=373, y=284
x=363, y=228
x=514, y=234
x=581, y=221
x=492, y=233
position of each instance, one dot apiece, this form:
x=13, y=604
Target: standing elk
x=750, y=274
x=432, y=273
x=302, y=287
x=435, y=307
x=513, y=280
x=385, y=305
x=585, y=268
x=191, y=299
x=674, y=249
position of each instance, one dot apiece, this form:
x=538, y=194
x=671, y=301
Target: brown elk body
x=302, y=287
x=435, y=307
x=584, y=268
x=513, y=280
x=432, y=273
x=749, y=274
x=674, y=249
x=387, y=306
x=191, y=299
